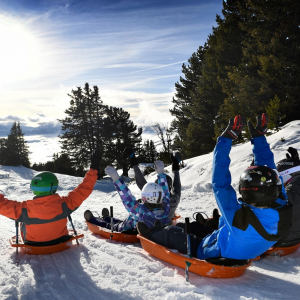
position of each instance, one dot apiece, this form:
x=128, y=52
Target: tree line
x=248, y=65
x=88, y=125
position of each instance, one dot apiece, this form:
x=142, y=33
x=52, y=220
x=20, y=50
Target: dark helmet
x=259, y=185
x=169, y=180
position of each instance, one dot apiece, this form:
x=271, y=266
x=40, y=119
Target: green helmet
x=43, y=184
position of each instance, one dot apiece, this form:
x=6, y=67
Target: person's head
x=152, y=194
x=288, y=168
x=44, y=184
x=169, y=181
x=259, y=186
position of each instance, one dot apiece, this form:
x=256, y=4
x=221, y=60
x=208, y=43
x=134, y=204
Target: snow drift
x=103, y=269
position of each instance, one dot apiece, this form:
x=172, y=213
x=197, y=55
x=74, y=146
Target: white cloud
x=134, y=56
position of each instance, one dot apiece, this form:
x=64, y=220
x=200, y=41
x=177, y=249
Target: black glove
x=96, y=157
x=176, y=159
x=261, y=126
x=293, y=152
x=128, y=151
x=234, y=128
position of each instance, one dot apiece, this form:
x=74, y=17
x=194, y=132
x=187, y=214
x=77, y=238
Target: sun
x=20, y=53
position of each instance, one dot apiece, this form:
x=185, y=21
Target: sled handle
x=17, y=235
x=188, y=244
x=75, y=232
x=111, y=220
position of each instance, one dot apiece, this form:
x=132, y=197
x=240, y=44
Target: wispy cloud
x=132, y=50
x=144, y=67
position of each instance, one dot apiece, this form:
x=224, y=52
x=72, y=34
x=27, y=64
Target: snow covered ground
x=103, y=269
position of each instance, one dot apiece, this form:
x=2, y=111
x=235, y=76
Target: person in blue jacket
x=249, y=225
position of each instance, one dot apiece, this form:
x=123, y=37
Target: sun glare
x=19, y=53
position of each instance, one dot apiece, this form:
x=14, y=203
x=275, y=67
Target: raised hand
x=129, y=152
x=112, y=172
x=176, y=159
x=95, y=159
x=261, y=126
x=159, y=167
x=293, y=153
x=234, y=128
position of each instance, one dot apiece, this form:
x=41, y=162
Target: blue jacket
x=229, y=241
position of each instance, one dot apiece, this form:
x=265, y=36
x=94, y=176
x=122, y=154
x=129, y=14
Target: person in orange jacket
x=44, y=218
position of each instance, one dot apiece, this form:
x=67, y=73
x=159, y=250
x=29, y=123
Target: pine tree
x=148, y=152
x=83, y=128
x=15, y=149
x=275, y=114
x=124, y=133
x=277, y=34
x=270, y=60
x=226, y=45
x=3, y=151
x=183, y=98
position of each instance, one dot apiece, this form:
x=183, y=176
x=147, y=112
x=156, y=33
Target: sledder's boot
x=200, y=219
x=88, y=215
x=143, y=229
x=105, y=213
x=216, y=215
x=158, y=224
x=214, y=221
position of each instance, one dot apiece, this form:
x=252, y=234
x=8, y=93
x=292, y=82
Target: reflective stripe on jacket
x=46, y=217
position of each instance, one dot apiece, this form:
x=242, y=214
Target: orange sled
x=37, y=250
x=199, y=267
x=116, y=236
x=282, y=250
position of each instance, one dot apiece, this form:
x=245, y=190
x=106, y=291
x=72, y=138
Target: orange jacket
x=45, y=217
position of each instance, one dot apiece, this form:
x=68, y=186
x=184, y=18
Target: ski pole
x=17, y=235
x=188, y=244
x=70, y=219
x=111, y=221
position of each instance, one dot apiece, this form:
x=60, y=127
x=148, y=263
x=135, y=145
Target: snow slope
x=103, y=269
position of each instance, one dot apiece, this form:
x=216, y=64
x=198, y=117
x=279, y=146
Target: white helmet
x=152, y=193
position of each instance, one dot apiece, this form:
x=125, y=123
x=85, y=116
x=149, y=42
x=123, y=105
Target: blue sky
x=132, y=50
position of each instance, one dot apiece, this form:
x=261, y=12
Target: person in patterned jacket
x=174, y=185
x=155, y=204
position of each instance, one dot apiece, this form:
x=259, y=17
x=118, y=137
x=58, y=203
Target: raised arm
x=263, y=156
x=221, y=178
x=176, y=159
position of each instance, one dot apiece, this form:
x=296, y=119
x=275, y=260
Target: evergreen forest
x=248, y=65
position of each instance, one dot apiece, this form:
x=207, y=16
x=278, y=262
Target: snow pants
x=197, y=229
x=106, y=222
x=174, y=237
